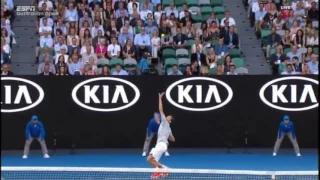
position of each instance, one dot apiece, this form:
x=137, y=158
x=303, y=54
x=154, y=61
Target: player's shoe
x=166, y=153
x=46, y=156
x=298, y=154
x=274, y=154
x=164, y=174
x=155, y=175
x=24, y=157
x=144, y=154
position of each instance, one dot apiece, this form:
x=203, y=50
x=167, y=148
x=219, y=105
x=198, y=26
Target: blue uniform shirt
x=153, y=126
x=35, y=130
x=286, y=128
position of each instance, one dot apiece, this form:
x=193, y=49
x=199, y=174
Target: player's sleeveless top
x=164, y=130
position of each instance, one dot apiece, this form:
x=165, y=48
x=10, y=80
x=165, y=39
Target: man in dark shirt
x=179, y=40
x=274, y=40
x=313, y=13
x=187, y=17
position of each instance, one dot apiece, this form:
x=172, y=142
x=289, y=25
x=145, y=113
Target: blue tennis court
x=179, y=159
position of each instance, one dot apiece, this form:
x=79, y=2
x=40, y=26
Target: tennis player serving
x=164, y=133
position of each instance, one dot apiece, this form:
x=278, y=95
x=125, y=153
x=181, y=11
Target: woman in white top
x=127, y=25
x=72, y=34
x=130, y=6
x=312, y=39
x=155, y=41
x=5, y=35
x=307, y=4
x=158, y=13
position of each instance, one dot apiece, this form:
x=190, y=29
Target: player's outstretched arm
x=160, y=104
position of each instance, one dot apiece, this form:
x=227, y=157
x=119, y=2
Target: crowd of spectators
x=289, y=34
x=7, y=17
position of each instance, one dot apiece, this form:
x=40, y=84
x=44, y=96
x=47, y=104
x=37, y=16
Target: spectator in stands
x=49, y=5
x=224, y=30
x=88, y=54
x=46, y=54
x=60, y=26
x=232, y=69
x=144, y=12
x=150, y=28
x=220, y=70
x=196, y=44
x=5, y=70
x=157, y=14
x=231, y=39
x=175, y=70
x=212, y=58
x=164, y=27
x=89, y=71
x=172, y=9
x=127, y=25
x=204, y=71
x=312, y=39
x=294, y=29
x=71, y=13
x=105, y=71
x=214, y=30
x=5, y=36
x=187, y=17
x=155, y=42
x=75, y=66
x=259, y=15
x=305, y=70
x=46, y=68
x=274, y=40
x=299, y=39
x=144, y=65
x=58, y=46
x=5, y=46
x=295, y=53
x=83, y=13
x=313, y=13
x=287, y=40
x=166, y=41
x=5, y=59
x=199, y=57
x=278, y=22
x=121, y=20
x=313, y=65
x=307, y=56
x=63, y=52
x=229, y=19
x=195, y=69
x=45, y=30
x=212, y=18
x=129, y=50
x=142, y=43
x=297, y=67
x=120, y=71
x=289, y=70
x=227, y=64
x=101, y=49
x=114, y=49
x=277, y=59
x=189, y=30
x=124, y=36
x=62, y=62
x=130, y=6
x=300, y=13
x=221, y=49
x=96, y=28
x=97, y=39
x=72, y=34
x=180, y=40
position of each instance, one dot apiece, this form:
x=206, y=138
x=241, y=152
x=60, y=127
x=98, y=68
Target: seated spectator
x=294, y=29
x=121, y=8
x=63, y=52
x=45, y=67
x=220, y=70
x=127, y=25
x=62, y=62
x=89, y=71
x=58, y=35
x=297, y=67
x=278, y=22
x=277, y=59
x=59, y=25
x=5, y=46
x=175, y=71
x=313, y=13
x=150, y=28
x=74, y=45
x=204, y=71
x=287, y=41
x=189, y=30
x=290, y=19
x=224, y=30
x=299, y=39
x=144, y=65
x=58, y=46
x=312, y=39
x=231, y=39
x=121, y=20
x=199, y=31
x=5, y=59
x=229, y=19
x=124, y=36
x=85, y=17
x=274, y=40
x=179, y=40
x=313, y=65
x=75, y=66
x=283, y=65
x=199, y=57
x=294, y=53
x=114, y=49
x=221, y=49
x=214, y=31
x=129, y=50
x=157, y=14
x=227, y=63
x=289, y=70
x=101, y=49
x=144, y=12
x=46, y=54
x=120, y=71
x=172, y=9
x=71, y=13
x=155, y=43
x=84, y=47
x=232, y=70
x=197, y=43
x=212, y=18
x=212, y=58
x=62, y=71
x=105, y=71
x=5, y=70
x=259, y=16
x=72, y=35
x=188, y=71
x=300, y=13
x=150, y=17
x=87, y=55
x=5, y=36
x=173, y=23
x=307, y=56
x=96, y=28
x=305, y=70
x=130, y=7
x=142, y=43
x=97, y=39
x=84, y=26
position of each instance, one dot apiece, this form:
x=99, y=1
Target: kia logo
x=199, y=94
x=292, y=93
x=105, y=94
x=18, y=94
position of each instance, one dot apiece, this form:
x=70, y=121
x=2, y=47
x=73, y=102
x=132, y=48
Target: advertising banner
x=113, y=112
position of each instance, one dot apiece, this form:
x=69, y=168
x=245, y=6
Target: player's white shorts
x=157, y=151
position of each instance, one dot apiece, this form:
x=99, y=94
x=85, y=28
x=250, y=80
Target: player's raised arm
x=160, y=104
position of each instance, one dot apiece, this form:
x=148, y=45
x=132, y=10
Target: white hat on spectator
x=64, y=47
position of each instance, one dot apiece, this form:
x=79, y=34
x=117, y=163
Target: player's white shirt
x=164, y=130
x=114, y=49
x=49, y=22
x=232, y=22
x=49, y=4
